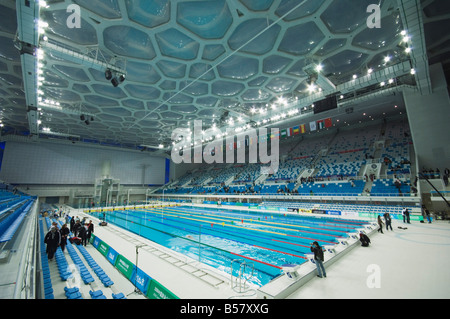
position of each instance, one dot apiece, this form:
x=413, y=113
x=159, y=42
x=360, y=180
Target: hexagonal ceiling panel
x=186, y=60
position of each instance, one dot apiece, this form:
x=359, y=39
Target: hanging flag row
x=301, y=129
x=284, y=133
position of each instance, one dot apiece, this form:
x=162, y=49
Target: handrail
x=26, y=280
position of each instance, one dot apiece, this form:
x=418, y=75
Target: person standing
x=404, y=214
x=427, y=213
x=52, y=239
x=82, y=234
x=72, y=223
x=380, y=223
x=318, y=259
x=388, y=220
x=64, y=231
x=76, y=228
x=90, y=230
x=407, y=216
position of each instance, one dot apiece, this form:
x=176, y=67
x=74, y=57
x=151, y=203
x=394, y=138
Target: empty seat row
x=46, y=276
x=104, y=278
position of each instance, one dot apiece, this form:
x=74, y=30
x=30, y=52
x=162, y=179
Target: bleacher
x=75, y=291
x=386, y=187
x=337, y=159
x=375, y=208
x=13, y=209
x=344, y=188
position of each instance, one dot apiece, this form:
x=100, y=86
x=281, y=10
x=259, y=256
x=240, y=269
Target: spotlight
x=115, y=82
x=87, y=122
x=122, y=78
x=82, y=117
x=108, y=74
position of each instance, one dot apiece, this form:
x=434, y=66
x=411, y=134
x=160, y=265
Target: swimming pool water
x=218, y=236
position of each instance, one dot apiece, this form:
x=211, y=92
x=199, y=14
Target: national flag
x=313, y=126
x=296, y=130
x=302, y=128
x=321, y=124
x=283, y=133
x=328, y=123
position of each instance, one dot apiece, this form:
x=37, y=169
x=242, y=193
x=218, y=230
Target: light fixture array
x=281, y=102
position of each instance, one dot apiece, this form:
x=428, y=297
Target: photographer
x=318, y=259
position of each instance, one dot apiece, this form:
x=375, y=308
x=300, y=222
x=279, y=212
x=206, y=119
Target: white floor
x=404, y=264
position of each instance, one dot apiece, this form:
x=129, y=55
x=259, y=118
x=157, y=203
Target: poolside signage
x=158, y=291
x=112, y=256
x=125, y=266
x=141, y=279
x=96, y=242
x=103, y=248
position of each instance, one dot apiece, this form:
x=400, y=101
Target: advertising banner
x=141, y=280
x=96, y=242
x=157, y=291
x=112, y=256
x=103, y=248
x=125, y=267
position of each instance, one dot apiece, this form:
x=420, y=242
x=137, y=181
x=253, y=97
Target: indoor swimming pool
x=228, y=239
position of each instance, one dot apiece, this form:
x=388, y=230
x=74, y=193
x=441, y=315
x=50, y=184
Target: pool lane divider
x=184, y=211
x=245, y=243
x=197, y=242
x=236, y=234
x=241, y=227
x=252, y=229
x=340, y=223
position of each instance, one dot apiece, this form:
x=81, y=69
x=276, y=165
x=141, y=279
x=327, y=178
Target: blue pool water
x=218, y=236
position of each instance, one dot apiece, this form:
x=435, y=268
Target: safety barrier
x=151, y=288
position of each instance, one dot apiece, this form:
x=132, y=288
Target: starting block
x=291, y=270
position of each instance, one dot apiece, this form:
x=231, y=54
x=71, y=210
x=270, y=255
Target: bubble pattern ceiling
x=189, y=60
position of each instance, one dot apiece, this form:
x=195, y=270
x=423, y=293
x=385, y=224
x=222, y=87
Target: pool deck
x=403, y=263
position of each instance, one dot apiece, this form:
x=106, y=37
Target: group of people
x=81, y=229
x=388, y=220
x=57, y=237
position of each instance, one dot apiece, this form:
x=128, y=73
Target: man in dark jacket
x=82, y=234
x=72, y=223
x=64, y=231
x=90, y=230
x=52, y=239
x=76, y=228
x=387, y=219
x=364, y=239
x=318, y=259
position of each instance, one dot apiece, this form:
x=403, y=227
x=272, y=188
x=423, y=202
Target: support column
x=428, y=117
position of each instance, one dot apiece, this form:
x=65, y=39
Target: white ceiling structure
x=227, y=63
